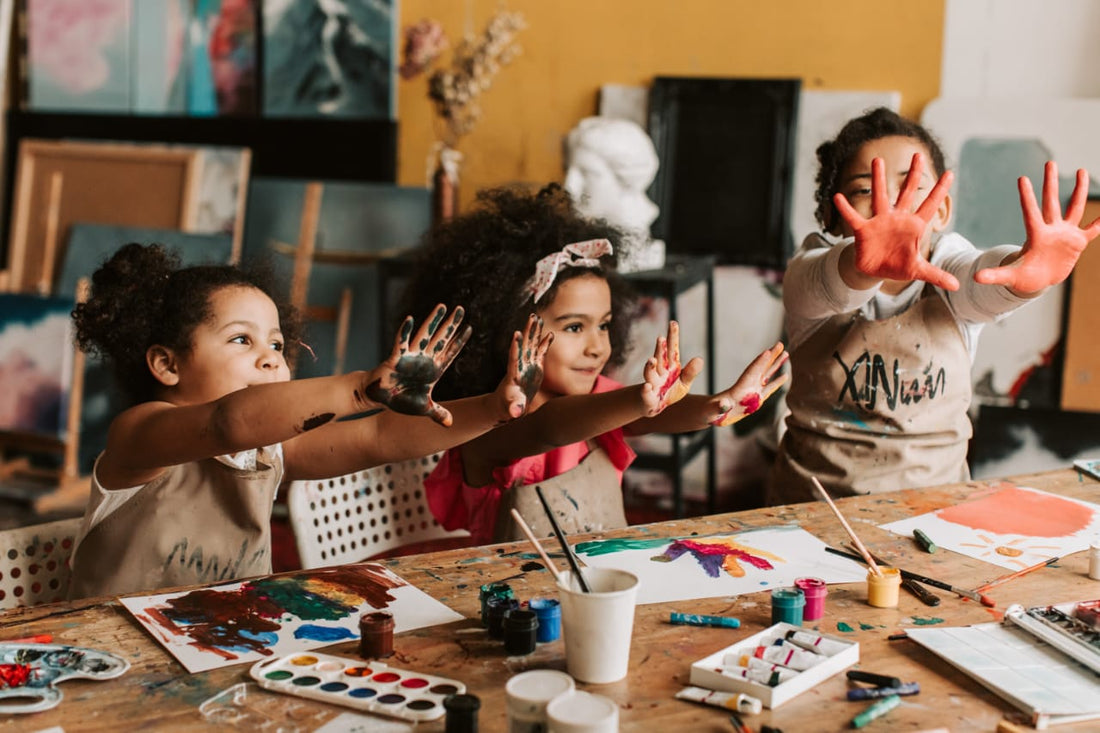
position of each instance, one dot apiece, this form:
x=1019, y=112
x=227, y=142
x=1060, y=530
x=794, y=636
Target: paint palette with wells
x=370, y=686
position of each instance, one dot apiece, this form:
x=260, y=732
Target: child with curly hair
x=884, y=310
x=520, y=251
x=182, y=493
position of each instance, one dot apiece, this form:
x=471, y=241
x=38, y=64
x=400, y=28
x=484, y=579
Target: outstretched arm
x=887, y=246
x=695, y=412
x=343, y=447
x=1053, y=243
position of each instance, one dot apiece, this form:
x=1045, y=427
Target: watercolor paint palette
x=29, y=672
x=708, y=673
x=371, y=686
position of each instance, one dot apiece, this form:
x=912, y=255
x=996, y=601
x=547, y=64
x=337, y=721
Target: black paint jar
x=495, y=610
x=461, y=713
x=520, y=631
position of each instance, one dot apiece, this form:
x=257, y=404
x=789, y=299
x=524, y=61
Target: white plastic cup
x=528, y=693
x=598, y=625
x=582, y=712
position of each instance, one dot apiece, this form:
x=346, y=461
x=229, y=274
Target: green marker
x=924, y=541
x=875, y=710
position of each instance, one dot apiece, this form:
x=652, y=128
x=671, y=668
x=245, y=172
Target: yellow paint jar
x=883, y=590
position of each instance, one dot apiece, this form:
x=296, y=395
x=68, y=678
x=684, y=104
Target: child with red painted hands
x=884, y=310
x=182, y=493
x=521, y=251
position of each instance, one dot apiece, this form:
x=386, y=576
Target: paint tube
x=816, y=642
x=789, y=655
x=760, y=676
x=738, y=701
x=739, y=661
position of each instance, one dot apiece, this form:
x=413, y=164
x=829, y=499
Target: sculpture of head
x=609, y=164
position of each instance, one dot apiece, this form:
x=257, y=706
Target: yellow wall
x=571, y=47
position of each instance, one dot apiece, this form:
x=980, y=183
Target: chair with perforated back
x=34, y=563
x=359, y=515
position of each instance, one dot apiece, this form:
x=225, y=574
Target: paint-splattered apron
x=586, y=498
x=877, y=405
x=200, y=522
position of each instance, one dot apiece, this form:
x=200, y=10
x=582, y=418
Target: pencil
x=851, y=532
x=1017, y=574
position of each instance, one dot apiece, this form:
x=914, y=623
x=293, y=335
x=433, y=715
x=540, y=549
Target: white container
x=598, y=625
x=528, y=693
x=704, y=674
x=582, y=712
x=1094, y=561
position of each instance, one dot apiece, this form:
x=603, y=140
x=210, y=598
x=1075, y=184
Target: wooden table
x=158, y=693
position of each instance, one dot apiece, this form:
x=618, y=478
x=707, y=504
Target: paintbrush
x=534, y=541
x=924, y=595
x=870, y=561
x=1017, y=574
x=972, y=595
x=564, y=544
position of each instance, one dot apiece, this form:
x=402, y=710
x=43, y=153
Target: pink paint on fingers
x=673, y=377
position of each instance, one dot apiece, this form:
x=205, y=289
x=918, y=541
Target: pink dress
x=456, y=505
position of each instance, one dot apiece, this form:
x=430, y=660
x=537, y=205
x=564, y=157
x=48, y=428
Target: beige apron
x=587, y=498
x=200, y=522
x=876, y=405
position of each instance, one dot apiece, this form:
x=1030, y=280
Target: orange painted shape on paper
x=1011, y=510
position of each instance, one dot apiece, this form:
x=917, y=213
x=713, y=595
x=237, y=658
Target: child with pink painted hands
x=884, y=310
x=523, y=251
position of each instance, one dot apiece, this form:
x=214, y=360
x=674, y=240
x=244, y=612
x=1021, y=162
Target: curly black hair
x=140, y=297
x=481, y=260
x=834, y=155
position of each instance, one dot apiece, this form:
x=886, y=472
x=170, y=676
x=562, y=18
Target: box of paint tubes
x=776, y=664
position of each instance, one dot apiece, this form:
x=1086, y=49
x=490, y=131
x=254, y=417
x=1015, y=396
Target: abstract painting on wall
x=245, y=622
x=328, y=58
x=720, y=565
x=36, y=355
x=1008, y=525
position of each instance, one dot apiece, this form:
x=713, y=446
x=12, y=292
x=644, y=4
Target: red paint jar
x=815, y=590
x=376, y=635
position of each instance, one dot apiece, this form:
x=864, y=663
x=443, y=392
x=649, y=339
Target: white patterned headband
x=577, y=254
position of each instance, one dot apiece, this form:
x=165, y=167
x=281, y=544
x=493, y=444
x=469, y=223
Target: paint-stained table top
x=158, y=693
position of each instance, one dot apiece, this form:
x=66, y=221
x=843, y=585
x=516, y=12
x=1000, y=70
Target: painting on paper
x=683, y=568
x=245, y=622
x=1008, y=525
x=36, y=355
x=324, y=58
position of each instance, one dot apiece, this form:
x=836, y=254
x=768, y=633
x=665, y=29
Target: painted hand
x=525, y=359
x=666, y=381
x=416, y=364
x=1053, y=243
x=753, y=388
x=888, y=244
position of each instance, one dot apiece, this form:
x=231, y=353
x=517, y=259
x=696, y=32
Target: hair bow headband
x=577, y=254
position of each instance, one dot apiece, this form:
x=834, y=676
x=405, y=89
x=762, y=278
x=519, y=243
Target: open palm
x=525, y=360
x=753, y=387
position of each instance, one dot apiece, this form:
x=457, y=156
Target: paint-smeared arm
x=755, y=385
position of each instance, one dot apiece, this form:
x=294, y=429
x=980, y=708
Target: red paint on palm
x=1053, y=244
x=751, y=402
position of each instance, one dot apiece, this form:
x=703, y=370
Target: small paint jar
x=492, y=590
x=1094, y=561
x=787, y=605
x=883, y=589
x=376, y=635
x=582, y=712
x=548, y=611
x=495, y=610
x=520, y=629
x=814, y=589
x=527, y=694
x=461, y=713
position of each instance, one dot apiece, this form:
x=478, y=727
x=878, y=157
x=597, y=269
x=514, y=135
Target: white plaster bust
x=609, y=164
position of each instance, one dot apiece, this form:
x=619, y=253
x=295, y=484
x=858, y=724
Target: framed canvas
x=58, y=183
x=727, y=156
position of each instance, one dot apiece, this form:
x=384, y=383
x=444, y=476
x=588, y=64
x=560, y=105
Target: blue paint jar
x=787, y=605
x=548, y=611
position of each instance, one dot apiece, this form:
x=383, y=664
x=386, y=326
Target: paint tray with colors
x=371, y=686
x=712, y=672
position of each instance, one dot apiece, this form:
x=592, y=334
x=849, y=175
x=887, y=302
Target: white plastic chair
x=359, y=515
x=34, y=563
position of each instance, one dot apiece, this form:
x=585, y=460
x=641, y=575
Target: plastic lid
x=579, y=707
x=528, y=692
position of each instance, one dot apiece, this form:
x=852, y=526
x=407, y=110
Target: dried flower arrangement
x=454, y=89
